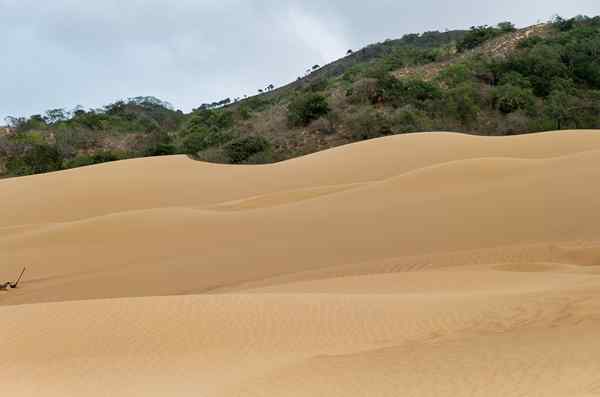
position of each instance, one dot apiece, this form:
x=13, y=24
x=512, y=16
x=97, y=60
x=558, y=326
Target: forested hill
x=493, y=80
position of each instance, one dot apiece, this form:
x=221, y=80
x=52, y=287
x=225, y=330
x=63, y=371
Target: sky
x=63, y=53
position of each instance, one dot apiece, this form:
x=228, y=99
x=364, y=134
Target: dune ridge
x=423, y=264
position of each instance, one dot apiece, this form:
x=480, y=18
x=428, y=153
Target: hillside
x=437, y=264
x=488, y=80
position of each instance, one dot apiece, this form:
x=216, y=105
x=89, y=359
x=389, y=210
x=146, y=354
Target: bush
x=161, y=149
x=306, y=108
x=209, y=120
x=323, y=125
x=477, y=36
x=409, y=119
x=362, y=92
x=96, y=158
x=203, y=138
x=509, y=98
x=540, y=65
x=397, y=92
x=530, y=42
x=35, y=158
x=515, y=79
x=506, y=27
x=318, y=85
x=241, y=149
x=462, y=102
x=455, y=75
x=369, y=123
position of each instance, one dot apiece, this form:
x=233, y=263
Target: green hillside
x=488, y=80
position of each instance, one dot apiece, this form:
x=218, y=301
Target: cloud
x=318, y=35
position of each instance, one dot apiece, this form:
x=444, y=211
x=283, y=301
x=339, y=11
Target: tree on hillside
x=506, y=27
x=53, y=116
x=509, y=98
x=477, y=36
x=307, y=107
x=559, y=107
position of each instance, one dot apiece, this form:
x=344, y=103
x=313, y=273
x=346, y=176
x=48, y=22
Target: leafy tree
x=209, y=119
x=515, y=79
x=562, y=24
x=477, y=36
x=463, y=102
x=541, y=65
x=53, y=116
x=96, y=158
x=398, y=92
x=369, y=123
x=559, y=107
x=506, y=27
x=530, y=42
x=35, y=158
x=202, y=138
x=305, y=108
x=455, y=75
x=509, y=98
x=241, y=149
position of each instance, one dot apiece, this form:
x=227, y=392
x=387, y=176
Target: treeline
x=61, y=139
x=137, y=127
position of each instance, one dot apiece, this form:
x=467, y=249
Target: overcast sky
x=63, y=53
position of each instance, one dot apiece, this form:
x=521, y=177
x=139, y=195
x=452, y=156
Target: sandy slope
x=419, y=265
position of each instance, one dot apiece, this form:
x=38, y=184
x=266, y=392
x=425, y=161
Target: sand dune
x=425, y=264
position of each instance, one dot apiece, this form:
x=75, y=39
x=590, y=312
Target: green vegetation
x=245, y=148
x=305, y=108
x=480, y=34
x=546, y=79
x=206, y=128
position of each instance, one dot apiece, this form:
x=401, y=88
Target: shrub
x=355, y=72
x=530, y=42
x=515, y=79
x=34, y=158
x=209, y=119
x=409, y=119
x=462, y=102
x=369, y=123
x=202, y=138
x=506, y=27
x=477, y=36
x=161, y=149
x=559, y=107
x=540, y=65
x=455, y=75
x=213, y=155
x=509, y=98
x=562, y=24
x=305, y=108
x=241, y=149
x=318, y=85
x=362, y=92
x=96, y=158
x=401, y=92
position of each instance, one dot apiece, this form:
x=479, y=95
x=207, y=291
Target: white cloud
x=318, y=34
